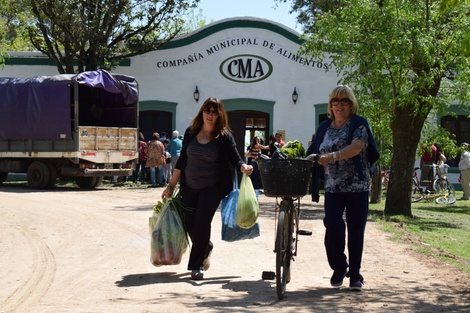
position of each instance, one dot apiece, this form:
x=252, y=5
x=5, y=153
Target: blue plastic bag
x=230, y=230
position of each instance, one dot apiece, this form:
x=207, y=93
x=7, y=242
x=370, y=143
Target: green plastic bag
x=247, y=206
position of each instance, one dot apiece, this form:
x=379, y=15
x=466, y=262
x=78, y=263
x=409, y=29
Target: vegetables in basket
x=293, y=149
x=168, y=235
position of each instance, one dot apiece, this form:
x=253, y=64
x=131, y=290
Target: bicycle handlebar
x=311, y=157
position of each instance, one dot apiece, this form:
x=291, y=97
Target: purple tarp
x=39, y=107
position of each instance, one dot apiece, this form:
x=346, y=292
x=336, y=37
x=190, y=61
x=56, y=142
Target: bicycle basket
x=284, y=177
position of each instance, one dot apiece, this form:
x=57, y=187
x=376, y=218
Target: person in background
x=464, y=167
x=142, y=160
x=273, y=145
x=155, y=151
x=205, y=172
x=163, y=136
x=167, y=165
x=279, y=139
x=426, y=163
x=174, y=147
x=311, y=140
x=440, y=157
x=253, y=152
x=344, y=142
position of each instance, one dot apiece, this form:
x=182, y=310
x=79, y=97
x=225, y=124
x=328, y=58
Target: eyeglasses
x=211, y=112
x=342, y=102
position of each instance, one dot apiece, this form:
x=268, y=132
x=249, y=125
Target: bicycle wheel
x=443, y=186
x=416, y=194
x=283, y=248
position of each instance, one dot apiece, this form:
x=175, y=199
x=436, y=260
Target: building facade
x=251, y=64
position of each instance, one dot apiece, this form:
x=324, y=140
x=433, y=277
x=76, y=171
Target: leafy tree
x=451, y=4
x=11, y=36
x=307, y=10
x=86, y=35
x=404, y=59
x=194, y=22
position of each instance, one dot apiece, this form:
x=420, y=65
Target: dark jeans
x=202, y=205
x=356, y=205
x=140, y=168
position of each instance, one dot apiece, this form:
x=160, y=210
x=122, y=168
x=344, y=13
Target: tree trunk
x=406, y=130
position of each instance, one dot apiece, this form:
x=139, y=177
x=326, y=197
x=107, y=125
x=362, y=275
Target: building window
x=459, y=126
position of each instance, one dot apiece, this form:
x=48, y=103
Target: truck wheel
x=3, y=177
x=38, y=175
x=53, y=175
x=99, y=180
x=86, y=182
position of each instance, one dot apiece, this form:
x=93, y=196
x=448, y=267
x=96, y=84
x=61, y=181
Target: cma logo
x=246, y=68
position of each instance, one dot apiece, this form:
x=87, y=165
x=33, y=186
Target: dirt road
x=70, y=250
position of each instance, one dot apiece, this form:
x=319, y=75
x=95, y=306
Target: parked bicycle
x=440, y=189
x=286, y=179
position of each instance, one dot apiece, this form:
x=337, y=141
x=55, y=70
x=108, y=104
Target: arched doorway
x=247, y=124
x=247, y=118
x=156, y=116
x=155, y=121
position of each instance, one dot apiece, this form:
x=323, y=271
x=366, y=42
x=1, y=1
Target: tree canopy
x=84, y=35
x=404, y=59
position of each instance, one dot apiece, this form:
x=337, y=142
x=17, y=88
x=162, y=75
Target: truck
x=80, y=127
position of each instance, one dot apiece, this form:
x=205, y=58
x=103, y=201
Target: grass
x=440, y=231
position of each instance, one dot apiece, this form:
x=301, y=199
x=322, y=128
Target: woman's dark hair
x=221, y=125
x=253, y=141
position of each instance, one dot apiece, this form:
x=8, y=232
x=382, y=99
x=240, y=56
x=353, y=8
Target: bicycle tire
x=283, y=248
x=416, y=194
x=444, y=186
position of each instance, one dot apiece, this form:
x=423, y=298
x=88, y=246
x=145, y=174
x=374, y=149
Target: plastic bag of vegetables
x=168, y=235
x=293, y=149
x=247, y=206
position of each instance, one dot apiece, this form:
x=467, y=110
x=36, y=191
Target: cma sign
x=246, y=68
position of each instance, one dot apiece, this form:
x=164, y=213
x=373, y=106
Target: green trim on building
x=178, y=42
x=155, y=105
x=458, y=110
x=321, y=108
x=205, y=32
x=246, y=104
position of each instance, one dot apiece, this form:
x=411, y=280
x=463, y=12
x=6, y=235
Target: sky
x=215, y=10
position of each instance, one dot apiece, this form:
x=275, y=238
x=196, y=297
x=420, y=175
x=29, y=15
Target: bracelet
x=334, y=156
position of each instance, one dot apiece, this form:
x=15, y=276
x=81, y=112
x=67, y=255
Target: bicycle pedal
x=267, y=275
x=304, y=232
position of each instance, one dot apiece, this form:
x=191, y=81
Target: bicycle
x=443, y=191
x=286, y=179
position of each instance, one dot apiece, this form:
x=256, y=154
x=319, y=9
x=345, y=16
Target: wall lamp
x=295, y=96
x=196, y=94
